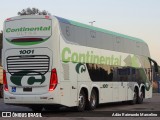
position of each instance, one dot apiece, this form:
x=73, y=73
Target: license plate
x=27, y=89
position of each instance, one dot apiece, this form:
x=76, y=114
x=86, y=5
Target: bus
x=49, y=61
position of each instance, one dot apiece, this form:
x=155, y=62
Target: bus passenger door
x=116, y=91
x=123, y=91
x=73, y=85
x=106, y=89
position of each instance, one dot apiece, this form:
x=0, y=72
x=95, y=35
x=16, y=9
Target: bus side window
x=110, y=75
x=133, y=74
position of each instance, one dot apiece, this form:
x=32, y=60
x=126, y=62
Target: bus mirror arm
x=156, y=68
x=155, y=65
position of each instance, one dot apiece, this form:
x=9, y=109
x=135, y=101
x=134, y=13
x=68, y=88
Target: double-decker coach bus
x=50, y=61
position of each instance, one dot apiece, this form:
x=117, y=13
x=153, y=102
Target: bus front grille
x=32, y=64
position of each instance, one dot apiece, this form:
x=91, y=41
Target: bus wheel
x=93, y=100
x=140, y=97
x=37, y=108
x=82, y=101
x=135, y=97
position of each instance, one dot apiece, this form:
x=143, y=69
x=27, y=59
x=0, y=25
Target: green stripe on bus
x=104, y=31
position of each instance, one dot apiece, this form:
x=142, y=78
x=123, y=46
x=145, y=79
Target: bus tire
x=140, y=97
x=135, y=97
x=81, y=101
x=92, y=104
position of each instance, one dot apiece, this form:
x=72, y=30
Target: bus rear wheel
x=135, y=97
x=82, y=101
x=140, y=97
x=93, y=100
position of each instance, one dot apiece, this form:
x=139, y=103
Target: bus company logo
x=80, y=68
x=147, y=86
x=27, y=78
x=28, y=29
x=89, y=57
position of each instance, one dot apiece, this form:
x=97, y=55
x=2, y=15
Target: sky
x=136, y=18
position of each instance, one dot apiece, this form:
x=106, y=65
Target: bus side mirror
x=156, y=67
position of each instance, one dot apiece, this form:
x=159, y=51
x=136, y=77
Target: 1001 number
x=26, y=51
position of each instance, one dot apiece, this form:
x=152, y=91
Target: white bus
x=50, y=61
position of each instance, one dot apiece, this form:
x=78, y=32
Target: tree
x=33, y=11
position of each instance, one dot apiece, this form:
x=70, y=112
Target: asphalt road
x=104, y=111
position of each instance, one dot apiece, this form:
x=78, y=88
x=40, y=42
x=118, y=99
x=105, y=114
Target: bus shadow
x=101, y=110
x=113, y=104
